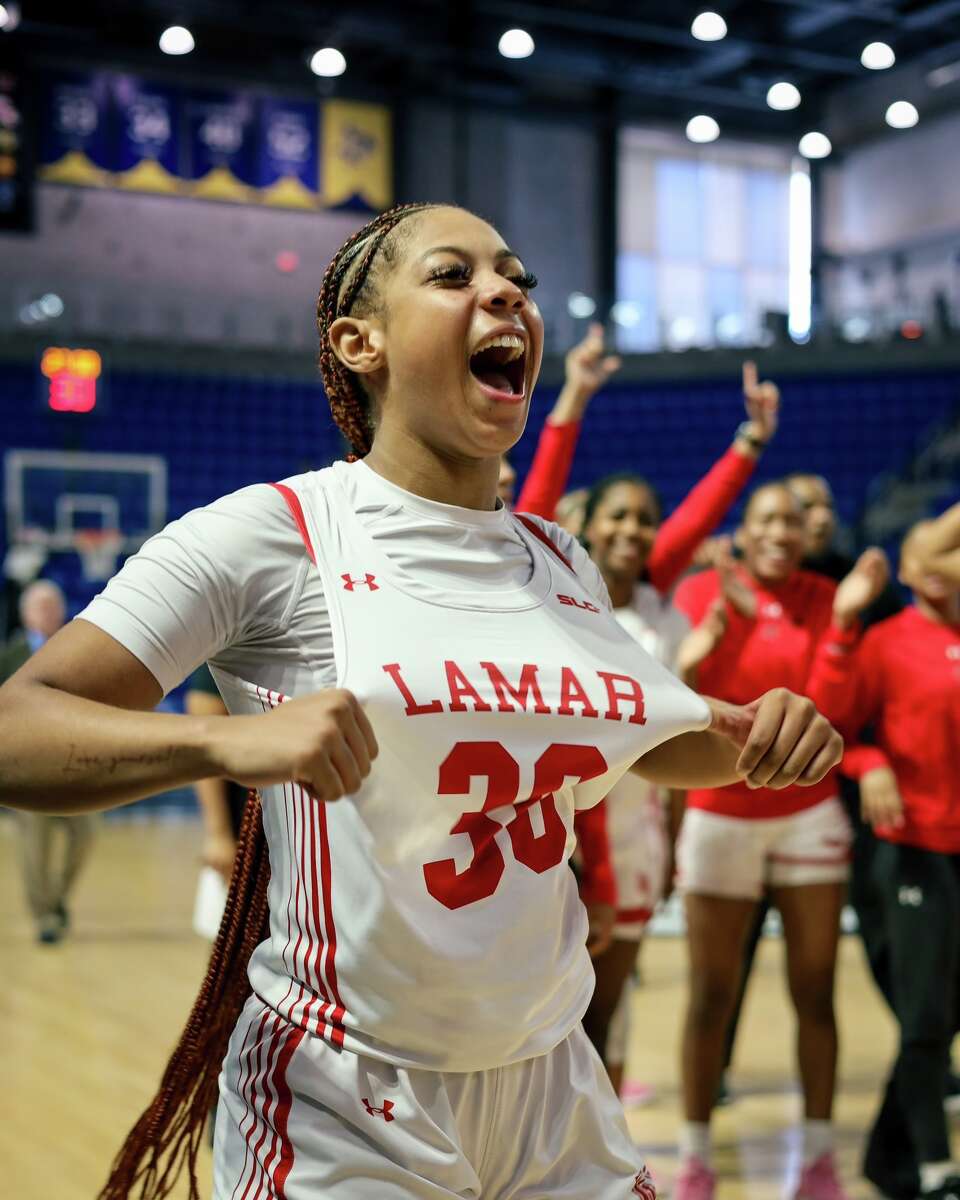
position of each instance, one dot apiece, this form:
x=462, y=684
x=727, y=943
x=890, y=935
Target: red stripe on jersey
x=541, y=536
x=296, y=511
x=284, y=1101
x=339, y=1011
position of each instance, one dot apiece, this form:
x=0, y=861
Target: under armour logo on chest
x=349, y=583
x=385, y=1112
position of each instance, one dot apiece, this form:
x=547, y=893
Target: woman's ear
x=359, y=344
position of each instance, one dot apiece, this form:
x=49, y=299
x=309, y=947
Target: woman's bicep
x=84, y=661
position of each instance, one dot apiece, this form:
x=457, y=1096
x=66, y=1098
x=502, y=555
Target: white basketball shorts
x=299, y=1120
x=738, y=856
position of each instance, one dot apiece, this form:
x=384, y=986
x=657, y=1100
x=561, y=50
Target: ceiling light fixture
x=878, y=56
x=328, y=63
x=176, y=40
x=902, y=115
x=702, y=129
x=516, y=43
x=783, y=96
x=814, y=145
x=709, y=27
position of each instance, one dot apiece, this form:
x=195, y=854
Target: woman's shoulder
x=568, y=548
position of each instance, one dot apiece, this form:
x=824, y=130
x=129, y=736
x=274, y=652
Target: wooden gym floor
x=87, y=1027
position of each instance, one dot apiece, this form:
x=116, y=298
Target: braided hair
x=348, y=287
x=167, y=1136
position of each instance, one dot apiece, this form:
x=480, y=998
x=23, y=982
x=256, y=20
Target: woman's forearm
x=692, y=760
x=61, y=753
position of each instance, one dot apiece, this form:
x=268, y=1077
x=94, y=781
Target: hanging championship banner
x=148, y=143
x=75, y=130
x=288, y=158
x=220, y=129
x=357, y=169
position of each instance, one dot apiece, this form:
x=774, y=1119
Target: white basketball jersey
x=430, y=920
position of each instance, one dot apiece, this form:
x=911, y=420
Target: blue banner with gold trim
x=288, y=161
x=76, y=132
x=147, y=148
x=220, y=145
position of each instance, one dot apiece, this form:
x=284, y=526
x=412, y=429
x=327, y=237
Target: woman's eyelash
x=453, y=271
x=460, y=271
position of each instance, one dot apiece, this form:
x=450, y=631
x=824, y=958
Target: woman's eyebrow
x=500, y=255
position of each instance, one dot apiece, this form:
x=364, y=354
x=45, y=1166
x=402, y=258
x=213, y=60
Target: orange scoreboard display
x=72, y=376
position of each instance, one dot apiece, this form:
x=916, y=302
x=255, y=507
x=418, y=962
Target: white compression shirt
x=230, y=583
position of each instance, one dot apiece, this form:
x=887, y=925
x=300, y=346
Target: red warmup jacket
x=695, y=518
x=776, y=649
x=902, y=676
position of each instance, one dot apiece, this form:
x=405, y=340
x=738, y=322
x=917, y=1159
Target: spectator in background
x=49, y=873
x=639, y=560
x=756, y=626
x=570, y=509
x=937, y=545
x=902, y=677
x=821, y=556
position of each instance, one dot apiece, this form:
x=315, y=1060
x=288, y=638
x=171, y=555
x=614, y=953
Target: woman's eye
x=455, y=272
x=527, y=281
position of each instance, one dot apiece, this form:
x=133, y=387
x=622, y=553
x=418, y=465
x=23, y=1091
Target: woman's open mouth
x=499, y=366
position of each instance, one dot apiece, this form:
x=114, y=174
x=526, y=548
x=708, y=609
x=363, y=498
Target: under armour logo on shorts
x=644, y=1186
x=910, y=897
x=384, y=1112
x=368, y=581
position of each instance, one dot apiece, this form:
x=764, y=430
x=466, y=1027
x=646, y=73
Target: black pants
x=921, y=896
x=866, y=900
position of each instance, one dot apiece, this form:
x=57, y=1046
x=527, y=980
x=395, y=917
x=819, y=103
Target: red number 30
x=493, y=762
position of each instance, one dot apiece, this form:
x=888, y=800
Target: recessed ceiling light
x=328, y=63
x=709, y=27
x=878, y=56
x=902, y=115
x=702, y=129
x=814, y=145
x=783, y=96
x=176, y=40
x=516, y=43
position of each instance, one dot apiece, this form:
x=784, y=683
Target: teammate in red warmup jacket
x=903, y=676
x=757, y=626
x=622, y=531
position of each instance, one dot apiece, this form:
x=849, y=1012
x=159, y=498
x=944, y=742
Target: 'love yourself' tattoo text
x=79, y=761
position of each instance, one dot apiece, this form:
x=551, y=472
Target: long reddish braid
x=169, y=1133
x=343, y=285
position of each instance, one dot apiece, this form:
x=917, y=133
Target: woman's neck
x=945, y=613
x=467, y=483
x=620, y=589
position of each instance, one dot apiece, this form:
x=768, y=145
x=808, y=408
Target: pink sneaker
x=695, y=1182
x=818, y=1181
x=634, y=1094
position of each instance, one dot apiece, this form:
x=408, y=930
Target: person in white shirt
x=396, y=998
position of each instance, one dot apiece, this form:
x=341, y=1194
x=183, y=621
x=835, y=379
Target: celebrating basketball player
x=386, y=635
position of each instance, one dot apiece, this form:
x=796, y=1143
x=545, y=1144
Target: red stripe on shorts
x=633, y=916
x=296, y=511
x=282, y=1141
x=801, y=860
